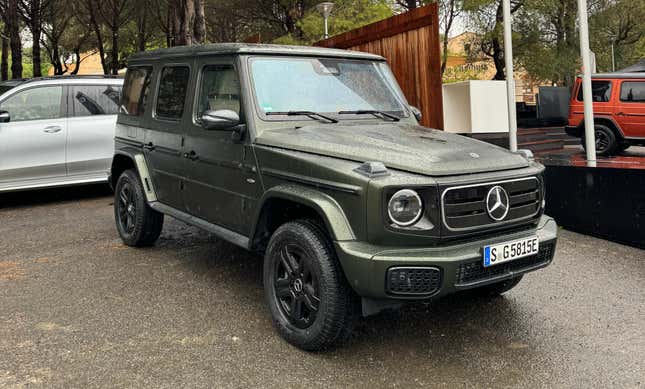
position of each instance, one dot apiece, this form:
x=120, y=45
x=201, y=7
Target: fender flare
x=139, y=161
x=581, y=125
x=324, y=205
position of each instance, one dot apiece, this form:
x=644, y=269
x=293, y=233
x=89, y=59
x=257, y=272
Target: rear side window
x=632, y=91
x=173, y=85
x=135, y=91
x=600, y=91
x=89, y=100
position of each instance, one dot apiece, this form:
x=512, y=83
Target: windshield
x=325, y=86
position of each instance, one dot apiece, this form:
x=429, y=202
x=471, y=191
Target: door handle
x=53, y=129
x=620, y=113
x=149, y=146
x=192, y=155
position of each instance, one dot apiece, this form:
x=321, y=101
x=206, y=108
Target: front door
x=32, y=144
x=222, y=183
x=630, y=113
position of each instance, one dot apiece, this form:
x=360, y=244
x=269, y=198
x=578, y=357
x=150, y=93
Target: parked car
x=57, y=131
x=314, y=158
x=619, y=111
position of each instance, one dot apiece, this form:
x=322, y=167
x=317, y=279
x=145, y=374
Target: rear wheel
x=138, y=224
x=311, y=304
x=606, y=142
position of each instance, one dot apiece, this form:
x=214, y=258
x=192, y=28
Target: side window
x=632, y=91
x=89, y=100
x=600, y=91
x=173, y=85
x=135, y=91
x=34, y=104
x=220, y=89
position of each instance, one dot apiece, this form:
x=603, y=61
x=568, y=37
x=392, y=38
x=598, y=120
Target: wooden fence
x=410, y=43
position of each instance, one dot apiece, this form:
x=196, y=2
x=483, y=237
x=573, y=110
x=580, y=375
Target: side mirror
x=417, y=113
x=5, y=117
x=220, y=120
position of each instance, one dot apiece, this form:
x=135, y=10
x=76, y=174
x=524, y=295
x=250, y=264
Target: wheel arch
x=121, y=162
x=290, y=202
x=606, y=121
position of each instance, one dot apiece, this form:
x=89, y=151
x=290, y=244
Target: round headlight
x=405, y=207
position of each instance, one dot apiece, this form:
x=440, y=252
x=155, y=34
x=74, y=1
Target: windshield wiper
x=378, y=114
x=310, y=114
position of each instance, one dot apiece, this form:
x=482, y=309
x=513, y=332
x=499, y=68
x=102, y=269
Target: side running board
x=221, y=232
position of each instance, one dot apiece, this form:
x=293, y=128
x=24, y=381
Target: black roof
x=248, y=48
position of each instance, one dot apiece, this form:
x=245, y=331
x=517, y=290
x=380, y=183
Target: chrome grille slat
x=464, y=207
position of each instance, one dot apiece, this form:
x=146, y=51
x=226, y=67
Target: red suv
x=619, y=111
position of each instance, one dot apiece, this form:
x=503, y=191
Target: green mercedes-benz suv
x=314, y=158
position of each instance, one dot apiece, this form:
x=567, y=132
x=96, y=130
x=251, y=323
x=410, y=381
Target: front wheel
x=606, y=142
x=138, y=224
x=311, y=304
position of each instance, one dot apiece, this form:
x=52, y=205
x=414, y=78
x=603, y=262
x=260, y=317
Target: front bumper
x=460, y=265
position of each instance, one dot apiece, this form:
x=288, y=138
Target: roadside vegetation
x=39, y=35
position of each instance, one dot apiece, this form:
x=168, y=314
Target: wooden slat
x=410, y=43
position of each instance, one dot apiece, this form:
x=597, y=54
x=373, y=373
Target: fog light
x=413, y=280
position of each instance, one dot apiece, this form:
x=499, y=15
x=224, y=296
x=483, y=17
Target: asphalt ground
x=78, y=309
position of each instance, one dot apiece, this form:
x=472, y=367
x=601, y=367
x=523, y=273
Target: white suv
x=57, y=131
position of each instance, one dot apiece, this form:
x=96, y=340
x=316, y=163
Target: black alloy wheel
x=312, y=306
x=137, y=224
x=127, y=208
x=296, y=286
x=606, y=142
x=602, y=141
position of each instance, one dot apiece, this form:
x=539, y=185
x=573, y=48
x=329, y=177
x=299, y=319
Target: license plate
x=504, y=252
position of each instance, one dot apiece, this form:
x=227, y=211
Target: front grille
x=413, y=280
x=475, y=271
x=464, y=207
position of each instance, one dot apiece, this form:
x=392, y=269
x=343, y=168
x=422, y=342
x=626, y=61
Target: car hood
x=398, y=145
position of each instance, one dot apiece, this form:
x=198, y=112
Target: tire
x=498, y=288
x=311, y=303
x=606, y=142
x=138, y=225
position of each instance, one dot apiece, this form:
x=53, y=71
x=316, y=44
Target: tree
x=4, y=61
x=487, y=17
x=114, y=15
x=56, y=18
x=618, y=24
x=10, y=13
x=347, y=15
x=32, y=13
x=449, y=11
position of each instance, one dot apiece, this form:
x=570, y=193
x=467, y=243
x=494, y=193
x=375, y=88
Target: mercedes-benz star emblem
x=497, y=203
x=297, y=285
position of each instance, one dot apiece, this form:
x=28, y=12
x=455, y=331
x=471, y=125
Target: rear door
x=90, y=128
x=164, y=136
x=630, y=113
x=32, y=144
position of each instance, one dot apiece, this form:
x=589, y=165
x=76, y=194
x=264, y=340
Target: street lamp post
x=325, y=9
x=590, y=137
x=510, y=78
